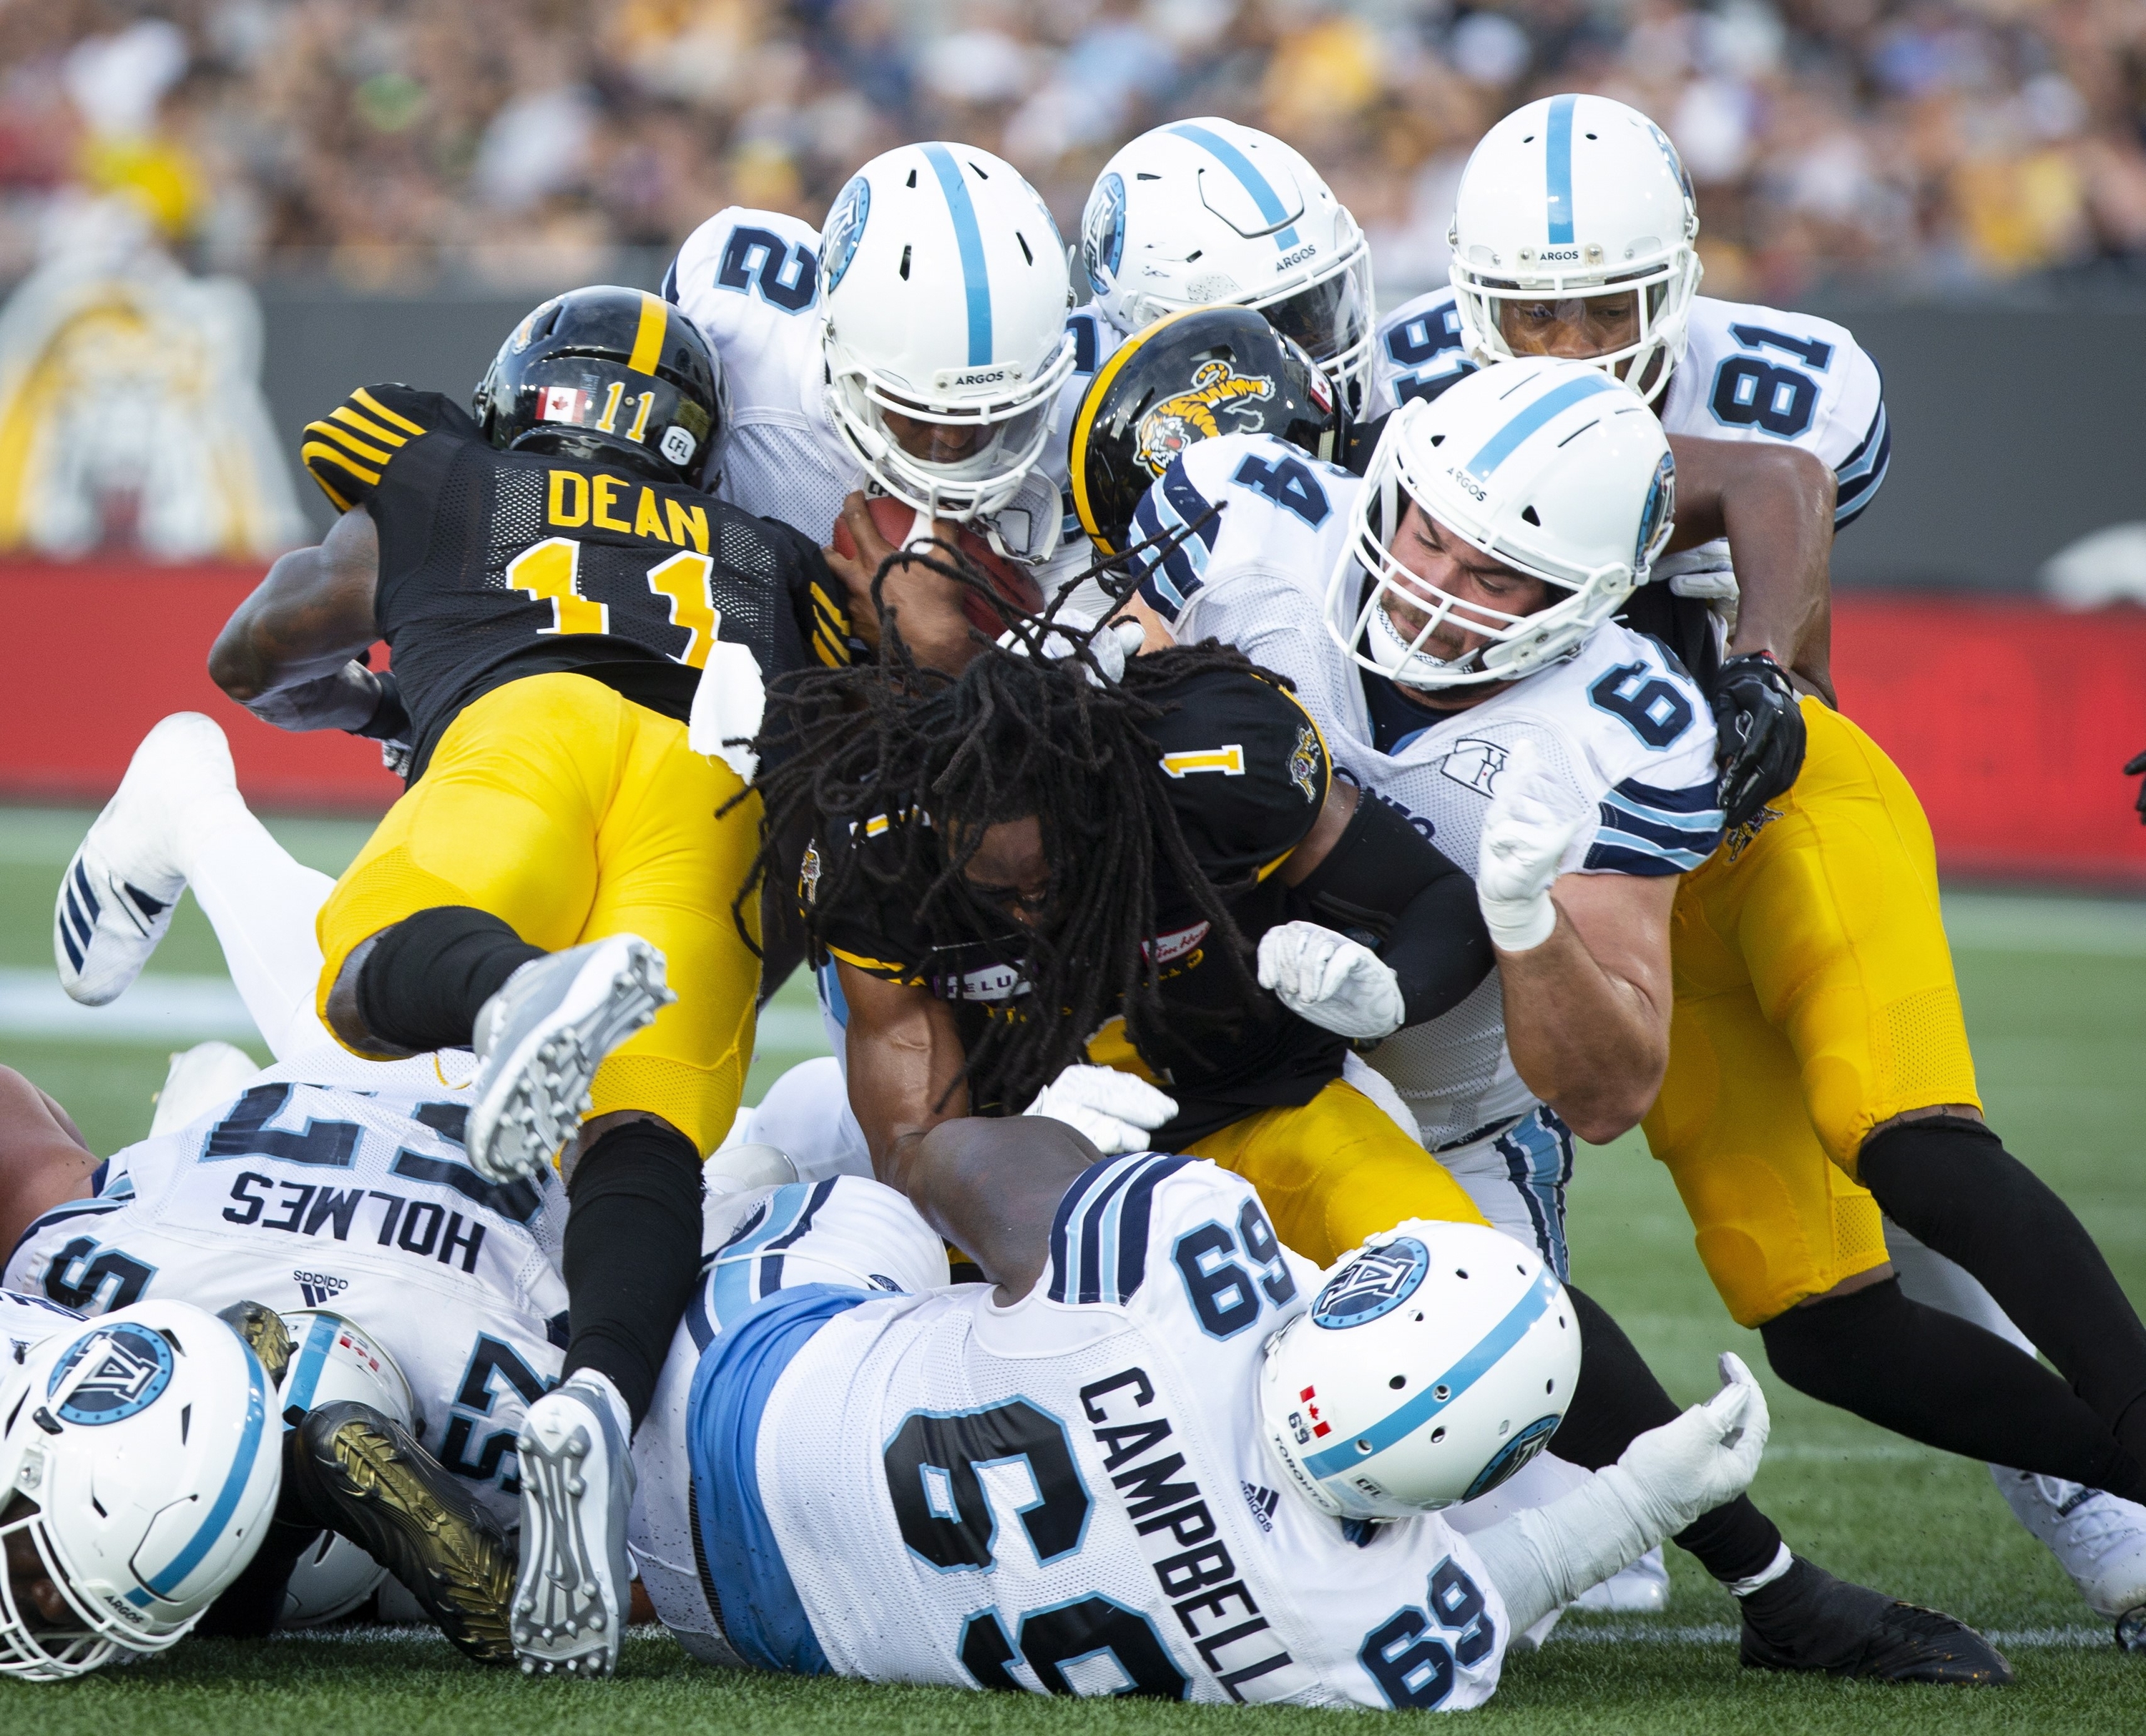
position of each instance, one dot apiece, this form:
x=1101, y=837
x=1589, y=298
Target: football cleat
x=2099, y=1539
x=1642, y=1588
x=116, y=897
x=540, y=1041
x=363, y=1475
x=1808, y=1620
x=571, y=1601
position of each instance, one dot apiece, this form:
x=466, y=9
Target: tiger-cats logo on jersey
x=1303, y=763
x=1194, y=415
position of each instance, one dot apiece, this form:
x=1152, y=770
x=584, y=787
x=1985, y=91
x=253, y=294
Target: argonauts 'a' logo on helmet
x=1657, y=518
x=845, y=229
x=1194, y=414
x=1676, y=162
x=1515, y=1454
x=129, y=1368
x=1103, y=233
x=1373, y=1284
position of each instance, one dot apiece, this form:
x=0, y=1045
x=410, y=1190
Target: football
x=902, y=525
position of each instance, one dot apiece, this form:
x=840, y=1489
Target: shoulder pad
x=348, y=450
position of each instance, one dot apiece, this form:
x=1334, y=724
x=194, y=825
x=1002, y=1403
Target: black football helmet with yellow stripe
x=1186, y=378
x=608, y=376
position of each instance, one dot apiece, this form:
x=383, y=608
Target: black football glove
x=1759, y=727
x=2136, y=767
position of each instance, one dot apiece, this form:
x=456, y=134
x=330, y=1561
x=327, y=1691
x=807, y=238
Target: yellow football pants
x=1331, y=1173
x=1815, y=998
x=570, y=813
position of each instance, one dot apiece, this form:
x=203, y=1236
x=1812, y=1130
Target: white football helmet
x=333, y=1358
x=1556, y=468
x=944, y=292
x=140, y=1461
x=1435, y=1362
x=1575, y=196
x=1204, y=211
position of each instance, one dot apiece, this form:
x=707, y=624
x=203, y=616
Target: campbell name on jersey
x=1070, y=1495
x=303, y=1196
x=495, y=565
x=1619, y=724
x=751, y=281
x=1750, y=373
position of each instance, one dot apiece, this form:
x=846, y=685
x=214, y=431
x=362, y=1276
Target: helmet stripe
x=1558, y=169
x=1404, y=1421
x=969, y=240
x=1255, y=183
x=1503, y=444
x=218, y=1516
x=648, y=334
x=312, y=1358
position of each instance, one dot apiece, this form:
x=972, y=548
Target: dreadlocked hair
x=1029, y=728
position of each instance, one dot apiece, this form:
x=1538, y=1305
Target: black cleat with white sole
x=540, y=1041
x=1809, y=1620
x=571, y=1599
x=361, y=1475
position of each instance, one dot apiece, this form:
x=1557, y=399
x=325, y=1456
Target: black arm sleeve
x=1384, y=879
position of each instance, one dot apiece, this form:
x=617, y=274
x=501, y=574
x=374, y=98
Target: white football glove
x=1110, y=648
x=1113, y=1111
x=1331, y=980
x=1706, y=1457
x=1531, y=824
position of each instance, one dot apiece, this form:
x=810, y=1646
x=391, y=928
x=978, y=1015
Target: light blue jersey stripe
x=213, y=1524
x=1558, y=165
x=1255, y=183
x=970, y=239
x=1406, y=1419
x=1503, y=444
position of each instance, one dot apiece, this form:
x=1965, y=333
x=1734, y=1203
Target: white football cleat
x=200, y=1078
x=736, y=1167
x=2099, y=1539
x=540, y=1041
x=570, y=1595
x=1642, y=1588
x=116, y=896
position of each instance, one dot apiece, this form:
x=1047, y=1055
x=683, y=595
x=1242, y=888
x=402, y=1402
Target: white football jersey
x=304, y=1196
x=1623, y=729
x=1069, y=1495
x=27, y=1320
x=1750, y=373
x=751, y=281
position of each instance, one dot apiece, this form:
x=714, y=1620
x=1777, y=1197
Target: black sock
x=1619, y=1398
x=1945, y=1382
x=422, y=984
x=632, y=1252
x=1950, y=1183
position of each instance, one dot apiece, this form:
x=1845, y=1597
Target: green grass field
x=2056, y=999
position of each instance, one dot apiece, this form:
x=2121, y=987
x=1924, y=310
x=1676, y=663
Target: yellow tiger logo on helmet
x=1190, y=418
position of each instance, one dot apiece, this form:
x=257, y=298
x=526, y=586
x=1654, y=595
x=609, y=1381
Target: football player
x=1058, y=829
x=110, y=1433
x=581, y=637
x=1819, y=1071
x=1489, y=700
x=916, y=347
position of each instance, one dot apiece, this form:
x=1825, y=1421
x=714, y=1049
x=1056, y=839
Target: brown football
x=902, y=525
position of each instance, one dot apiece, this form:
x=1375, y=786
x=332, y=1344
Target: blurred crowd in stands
x=1919, y=145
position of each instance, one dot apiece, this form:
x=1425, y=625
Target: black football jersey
x=1246, y=771
x=495, y=566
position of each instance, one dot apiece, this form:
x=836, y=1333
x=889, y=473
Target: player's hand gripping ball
x=893, y=525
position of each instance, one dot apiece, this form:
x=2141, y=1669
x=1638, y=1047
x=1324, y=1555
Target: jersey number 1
x=551, y=572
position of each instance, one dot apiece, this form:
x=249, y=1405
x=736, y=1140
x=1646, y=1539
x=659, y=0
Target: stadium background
x=218, y=216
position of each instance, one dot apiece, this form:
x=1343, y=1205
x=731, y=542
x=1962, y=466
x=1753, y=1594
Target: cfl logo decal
x=318, y=1288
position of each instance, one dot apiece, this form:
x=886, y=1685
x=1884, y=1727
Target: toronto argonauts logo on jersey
x=127, y=1367
x=1194, y=415
x=1373, y=1284
x=846, y=228
x=1103, y=232
x=1475, y=764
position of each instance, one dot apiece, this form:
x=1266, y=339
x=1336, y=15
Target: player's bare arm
x=992, y=1186
x=1587, y=1012
x=44, y=1160
x=286, y=654
x=1775, y=505
x=905, y=1060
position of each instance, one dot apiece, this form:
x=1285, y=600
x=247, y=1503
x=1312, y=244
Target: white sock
x=1784, y=1559
x=263, y=904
